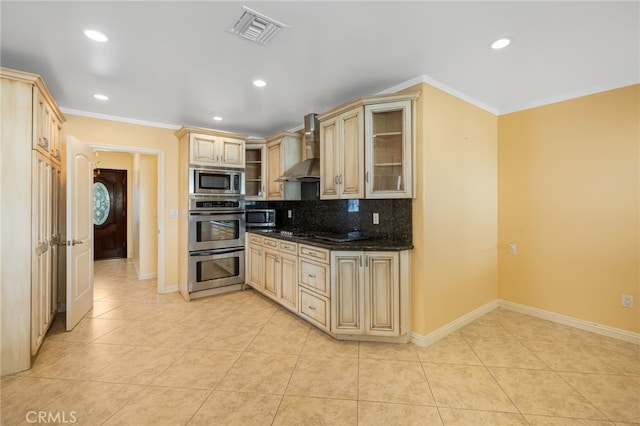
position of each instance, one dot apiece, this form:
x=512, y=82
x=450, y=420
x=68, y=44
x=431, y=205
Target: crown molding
x=118, y=118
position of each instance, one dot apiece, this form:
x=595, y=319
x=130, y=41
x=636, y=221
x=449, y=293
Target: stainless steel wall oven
x=216, y=242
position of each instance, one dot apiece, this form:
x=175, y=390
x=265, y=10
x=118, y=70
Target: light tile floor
x=140, y=358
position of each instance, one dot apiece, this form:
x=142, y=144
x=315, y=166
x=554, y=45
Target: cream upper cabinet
x=46, y=127
x=207, y=150
x=342, y=156
x=256, y=171
x=365, y=293
x=388, y=149
x=367, y=148
x=283, y=152
x=213, y=148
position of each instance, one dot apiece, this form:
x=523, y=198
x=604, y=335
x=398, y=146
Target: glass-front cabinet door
x=255, y=171
x=388, y=148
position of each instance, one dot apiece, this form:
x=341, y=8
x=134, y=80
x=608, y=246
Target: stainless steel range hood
x=309, y=169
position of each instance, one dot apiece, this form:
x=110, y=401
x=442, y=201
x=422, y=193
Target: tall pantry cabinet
x=30, y=178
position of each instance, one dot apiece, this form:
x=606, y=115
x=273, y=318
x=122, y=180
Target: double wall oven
x=216, y=241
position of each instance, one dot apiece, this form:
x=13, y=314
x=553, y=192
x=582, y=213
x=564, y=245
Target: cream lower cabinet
x=254, y=263
x=44, y=273
x=358, y=295
x=281, y=272
x=366, y=294
x=314, y=290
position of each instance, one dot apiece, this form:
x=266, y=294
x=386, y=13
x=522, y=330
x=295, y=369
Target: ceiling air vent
x=256, y=27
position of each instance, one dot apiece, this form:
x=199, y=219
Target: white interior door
x=79, y=231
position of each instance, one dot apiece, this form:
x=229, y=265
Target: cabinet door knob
x=335, y=180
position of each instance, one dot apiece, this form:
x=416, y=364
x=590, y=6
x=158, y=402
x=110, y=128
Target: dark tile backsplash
x=344, y=215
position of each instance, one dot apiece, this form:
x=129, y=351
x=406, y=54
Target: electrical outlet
x=513, y=248
x=376, y=218
x=627, y=301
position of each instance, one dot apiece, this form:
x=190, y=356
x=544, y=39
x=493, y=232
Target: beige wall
x=569, y=191
x=145, y=223
x=121, y=161
x=454, y=264
x=106, y=132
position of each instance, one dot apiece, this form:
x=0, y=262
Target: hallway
x=238, y=359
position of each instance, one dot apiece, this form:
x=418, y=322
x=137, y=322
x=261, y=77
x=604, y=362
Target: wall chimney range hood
x=309, y=169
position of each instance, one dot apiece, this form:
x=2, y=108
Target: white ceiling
x=176, y=63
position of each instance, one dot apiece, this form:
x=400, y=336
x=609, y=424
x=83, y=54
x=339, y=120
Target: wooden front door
x=110, y=214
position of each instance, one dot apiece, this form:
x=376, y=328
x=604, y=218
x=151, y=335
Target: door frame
x=161, y=201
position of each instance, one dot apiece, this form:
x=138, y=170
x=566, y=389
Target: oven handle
x=213, y=252
x=216, y=213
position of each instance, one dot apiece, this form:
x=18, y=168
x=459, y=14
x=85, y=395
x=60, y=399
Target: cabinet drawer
x=315, y=276
x=288, y=246
x=314, y=253
x=270, y=242
x=256, y=239
x=314, y=308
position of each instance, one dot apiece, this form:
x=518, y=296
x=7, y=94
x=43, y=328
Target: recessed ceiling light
x=100, y=97
x=501, y=43
x=96, y=36
x=259, y=83
x=217, y=118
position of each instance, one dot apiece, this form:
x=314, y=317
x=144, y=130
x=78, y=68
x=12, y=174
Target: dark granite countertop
x=377, y=244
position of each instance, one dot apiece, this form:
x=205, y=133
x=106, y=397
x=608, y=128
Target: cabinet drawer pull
x=311, y=307
x=311, y=276
x=340, y=179
x=367, y=177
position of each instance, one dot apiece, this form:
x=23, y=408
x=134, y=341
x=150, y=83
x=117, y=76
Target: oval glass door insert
x=101, y=203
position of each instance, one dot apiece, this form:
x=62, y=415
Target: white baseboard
x=147, y=276
x=170, y=289
x=447, y=329
x=604, y=330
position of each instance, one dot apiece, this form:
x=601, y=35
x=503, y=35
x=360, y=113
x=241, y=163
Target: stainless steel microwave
x=260, y=218
x=216, y=182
